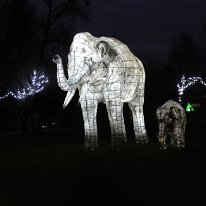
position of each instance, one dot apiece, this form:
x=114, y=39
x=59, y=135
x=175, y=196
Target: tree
x=61, y=18
x=31, y=29
x=17, y=20
x=184, y=55
x=202, y=43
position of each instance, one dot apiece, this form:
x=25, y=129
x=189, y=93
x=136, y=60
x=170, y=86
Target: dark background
x=169, y=37
x=48, y=167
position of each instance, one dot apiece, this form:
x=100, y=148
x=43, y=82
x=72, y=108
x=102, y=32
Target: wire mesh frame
x=122, y=80
x=172, y=123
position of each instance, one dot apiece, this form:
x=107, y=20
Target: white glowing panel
x=104, y=70
x=172, y=122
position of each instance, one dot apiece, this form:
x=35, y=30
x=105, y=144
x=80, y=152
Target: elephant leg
x=89, y=111
x=178, y=139
x=183, y=135
x=181, y=143
x=182, y=138
x=138, y=121
x=115, y=114
x=172, y=142
x=162, y=141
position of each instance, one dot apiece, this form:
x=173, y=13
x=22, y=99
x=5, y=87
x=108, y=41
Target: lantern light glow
x=37, y=84
x=185, y=83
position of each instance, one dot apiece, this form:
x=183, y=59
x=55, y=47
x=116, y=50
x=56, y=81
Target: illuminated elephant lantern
x=172, y=122
x=104, y=70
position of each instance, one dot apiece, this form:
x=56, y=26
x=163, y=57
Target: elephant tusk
x=79, y=88
x=68, y=98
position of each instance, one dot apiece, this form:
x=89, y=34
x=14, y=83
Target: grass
x=51, y=169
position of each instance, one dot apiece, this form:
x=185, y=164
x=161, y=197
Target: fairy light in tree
x=185, y=83
x=5, y=96
x=38, y=81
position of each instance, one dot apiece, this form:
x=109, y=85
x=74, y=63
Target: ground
x=51, y=169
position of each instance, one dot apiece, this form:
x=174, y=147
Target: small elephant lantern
x=172, y=122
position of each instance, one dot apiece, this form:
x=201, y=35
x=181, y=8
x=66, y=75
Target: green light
x=189, y=108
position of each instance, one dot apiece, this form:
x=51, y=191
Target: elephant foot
x=119, y=143
x=144, y=139
x=118, y=147
x=178, y=147
x=163, y=147
x=163, y=144
x=90, y=147
x=178, y=144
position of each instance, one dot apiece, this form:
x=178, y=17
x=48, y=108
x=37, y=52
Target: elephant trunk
x=63, y=83
x=61, y=79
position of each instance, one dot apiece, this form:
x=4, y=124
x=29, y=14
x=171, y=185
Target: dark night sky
x=145, y=25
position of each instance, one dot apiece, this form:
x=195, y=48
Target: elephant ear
x=176, y=113
x=106, y=52
x=162, y=113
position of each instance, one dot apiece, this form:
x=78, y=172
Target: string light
x=37, y=84
x=185, y=83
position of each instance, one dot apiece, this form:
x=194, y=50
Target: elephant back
x=171, y=103
x=177, y=110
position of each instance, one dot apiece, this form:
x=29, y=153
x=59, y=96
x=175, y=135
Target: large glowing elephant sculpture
x=172, y=122
x=104, y=70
